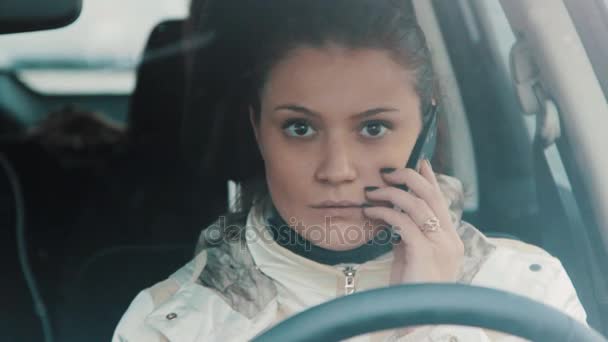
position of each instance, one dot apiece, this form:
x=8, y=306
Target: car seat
x=146, y=217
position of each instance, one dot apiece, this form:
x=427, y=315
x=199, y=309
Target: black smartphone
x=426, y=142
x=423, y=148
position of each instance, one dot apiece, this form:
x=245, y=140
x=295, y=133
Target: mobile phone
x=423, y=149
x=426, y=142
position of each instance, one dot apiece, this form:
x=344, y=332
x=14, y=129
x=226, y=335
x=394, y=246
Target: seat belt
x=562, y=232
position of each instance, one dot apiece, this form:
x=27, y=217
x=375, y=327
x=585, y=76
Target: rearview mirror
x=33, y=15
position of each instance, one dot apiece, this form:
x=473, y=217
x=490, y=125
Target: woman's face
x=331, y=118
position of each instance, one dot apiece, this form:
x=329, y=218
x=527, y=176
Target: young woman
x=335, y=93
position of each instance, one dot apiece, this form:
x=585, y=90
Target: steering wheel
x=429, y=304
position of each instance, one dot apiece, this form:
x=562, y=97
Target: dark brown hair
x=250, y=37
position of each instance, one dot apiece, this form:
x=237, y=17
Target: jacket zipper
x=349, y=279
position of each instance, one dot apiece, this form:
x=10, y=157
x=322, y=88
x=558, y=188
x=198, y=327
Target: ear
x=255, y=128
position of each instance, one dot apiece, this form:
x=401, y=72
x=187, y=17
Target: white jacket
x=182, y=308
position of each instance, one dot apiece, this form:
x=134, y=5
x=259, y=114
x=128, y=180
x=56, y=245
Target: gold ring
x=431, y=225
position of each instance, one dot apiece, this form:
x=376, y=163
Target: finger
x=415, y=207
x=441, y=207
x=419, y=185
x=401, y=223
x=426, y=170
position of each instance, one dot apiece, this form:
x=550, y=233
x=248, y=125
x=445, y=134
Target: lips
x=337, y=204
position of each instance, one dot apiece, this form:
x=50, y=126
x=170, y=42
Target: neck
x=287, y=237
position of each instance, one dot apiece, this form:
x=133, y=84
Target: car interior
x=110, y=217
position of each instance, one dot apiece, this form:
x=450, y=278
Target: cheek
x=393, y=152
x=284, y=158
x=398, y=153
x=289, y=172
x=288, y=169
x=289, y=184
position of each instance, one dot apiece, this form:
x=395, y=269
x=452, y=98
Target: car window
x=591, y=21
x=96, y=54
x=501, y=39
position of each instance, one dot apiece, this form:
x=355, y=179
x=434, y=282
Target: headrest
x=157, y=103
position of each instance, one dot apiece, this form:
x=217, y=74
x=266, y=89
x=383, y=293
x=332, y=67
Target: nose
x=336, y=164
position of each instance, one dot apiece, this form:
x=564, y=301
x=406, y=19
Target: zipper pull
x=349, y=279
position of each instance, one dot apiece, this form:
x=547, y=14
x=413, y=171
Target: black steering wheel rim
x=430, y=304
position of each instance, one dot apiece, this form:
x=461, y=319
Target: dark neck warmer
x=298, y=244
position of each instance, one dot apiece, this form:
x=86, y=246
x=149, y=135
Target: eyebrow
x=306, y=111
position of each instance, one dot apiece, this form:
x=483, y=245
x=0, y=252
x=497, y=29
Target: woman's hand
x=424, y=254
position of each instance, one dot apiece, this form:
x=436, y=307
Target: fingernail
x=388, y=170
x=371, y=188
x=428, y=163
x=402, y=187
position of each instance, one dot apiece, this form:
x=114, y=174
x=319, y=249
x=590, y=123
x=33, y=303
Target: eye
x=375, y=129
x=298, y=128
